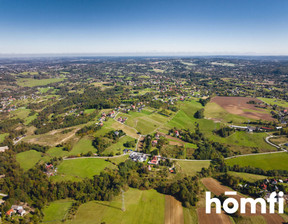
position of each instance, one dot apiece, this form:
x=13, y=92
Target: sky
x=202, y=27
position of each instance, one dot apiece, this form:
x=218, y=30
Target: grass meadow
x=275, y=161
x=56, y=211
x=192, y=167
x=141, y=207
x=80, y=168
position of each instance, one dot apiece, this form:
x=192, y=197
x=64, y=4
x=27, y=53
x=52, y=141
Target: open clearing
x=81, y=168
x=51, y=138
x=2, y=137
x=28, y=159
x=142, y=207
x=84, y=145
x=192, y=167
x=215, y=187
x=29, y=82
x=239, y=106
x=274, y=161
x=247, y=176
x=56, y=211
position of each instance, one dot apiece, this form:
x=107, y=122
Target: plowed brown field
x=238, y=105
x=173, y=211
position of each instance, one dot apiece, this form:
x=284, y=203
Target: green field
x=118, y=147
x=89, y=111
x=141, y=207
x=243, y=138
x=79, y=168
x=275, y=161
x=145, y=122
x=23, y=114
x=247, y=176
x=84, y=145
x=29, y=82
x=279, y=102
x=192, y=167
x=2, y=137
x=28, y=159
x=56, y=211
x=57, y=152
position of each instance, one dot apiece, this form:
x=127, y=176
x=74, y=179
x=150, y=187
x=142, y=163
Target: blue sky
x=144, y=26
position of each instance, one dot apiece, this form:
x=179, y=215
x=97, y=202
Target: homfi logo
x=231, y=205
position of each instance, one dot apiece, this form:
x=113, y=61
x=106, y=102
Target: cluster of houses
x=273, y=186
x=252, y=129
x=138, y=156
x=6, y=105
x=122, y=119
x=103, y=117
x=16, y=209
x=50, y=170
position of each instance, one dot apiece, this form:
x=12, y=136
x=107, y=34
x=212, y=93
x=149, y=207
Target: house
x=10, y=212
x=49, y=166
x=154, y=142
x=125, y=151
x=138, y=157
x=177, y=133
x=154, y=160
x=149, y=168
x=4, y=148
x=264, y=186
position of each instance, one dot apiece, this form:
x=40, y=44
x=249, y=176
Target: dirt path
x=69, y=136
x=216, y=187
x=140, y=143
x=173, y=211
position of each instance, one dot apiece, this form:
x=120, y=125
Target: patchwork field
x=238, y=106
x=80, y=168
x=141, y=207
x=56, y=211
x=275, y=161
